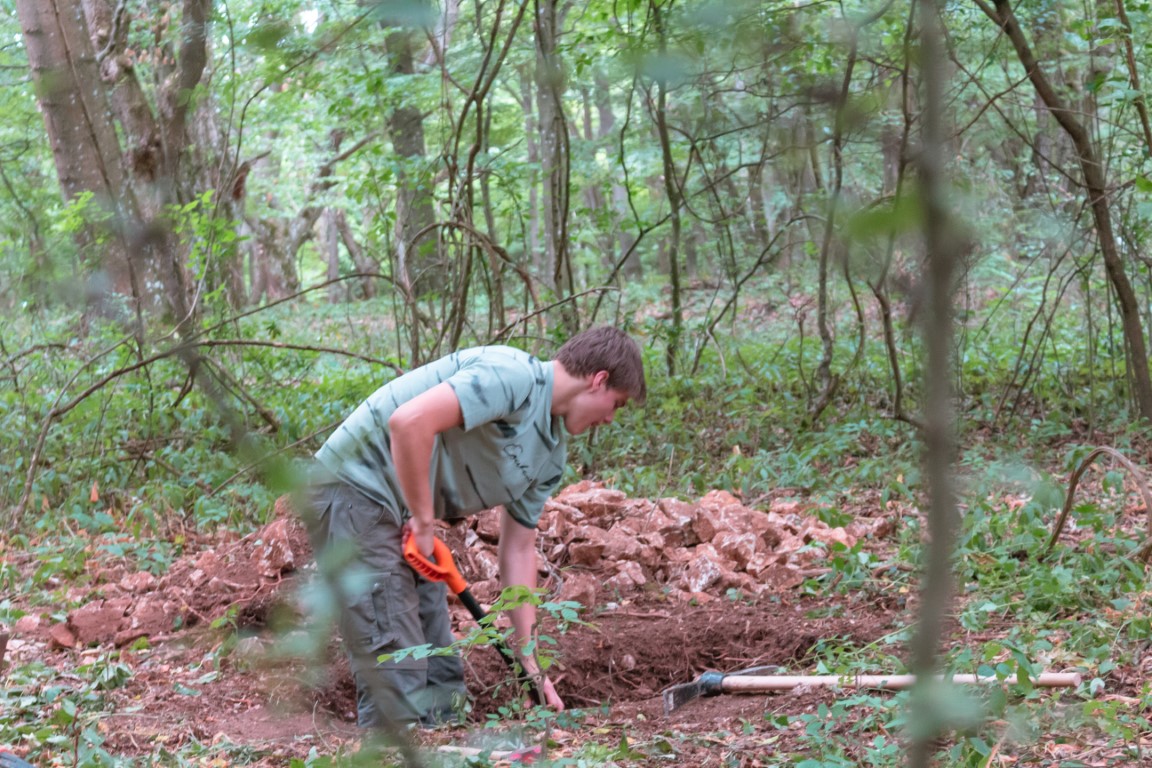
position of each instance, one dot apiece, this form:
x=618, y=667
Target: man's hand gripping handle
x=444, y=569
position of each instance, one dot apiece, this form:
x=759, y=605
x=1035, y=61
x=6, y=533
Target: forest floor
x=199, y=652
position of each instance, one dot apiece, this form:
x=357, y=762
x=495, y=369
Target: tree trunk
x=757, y=207
x=88, y=97
x=271, y=268
x=180, y=66
x=497, y=301
x=554, y=154
x=1139, y=101
x=77, y=117
x=827, y=380
x=1096, y=191
x=941, y=243
x=330, y=248
x=675, y=200
x=1049, y=150
x=208, y=165
x=421, y=264
x=360, y=260
x=593, y=194
x=602, y=94
x=695, y=238
x=272, y=275
x=532, y=150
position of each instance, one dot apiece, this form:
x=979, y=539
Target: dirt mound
x=597, y=545
x=245, y=575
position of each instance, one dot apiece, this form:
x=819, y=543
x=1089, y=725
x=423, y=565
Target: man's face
x=596, y=405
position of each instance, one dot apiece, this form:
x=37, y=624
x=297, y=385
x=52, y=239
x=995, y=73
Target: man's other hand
x=552, y=699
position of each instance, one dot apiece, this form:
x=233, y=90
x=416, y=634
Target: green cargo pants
x=387, y=608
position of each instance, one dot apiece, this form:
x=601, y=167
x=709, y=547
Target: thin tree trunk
x=208, y=165
x=330, y=248
x=827, y=381
x=881, y=286
x=602, y=95
x=271, y=273
x=532, y=148
x=554, y=154
x=360, y=260
x=1139, y=101
x=675, y=200
x=498, y=313
x=593, y=192
x=939, y=441
x=757, y=207
x=421, y=263
x=475, y=248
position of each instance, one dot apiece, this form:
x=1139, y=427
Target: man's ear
x=599, y=379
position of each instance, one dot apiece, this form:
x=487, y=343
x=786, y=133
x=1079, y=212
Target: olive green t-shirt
x=510, y=450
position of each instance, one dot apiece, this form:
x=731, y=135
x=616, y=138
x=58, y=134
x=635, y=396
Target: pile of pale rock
x=600, y=545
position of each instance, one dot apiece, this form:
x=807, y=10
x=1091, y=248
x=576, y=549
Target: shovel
x=444, y=569
x=713, y=683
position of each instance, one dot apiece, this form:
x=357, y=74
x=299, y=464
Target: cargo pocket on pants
x=386, y=618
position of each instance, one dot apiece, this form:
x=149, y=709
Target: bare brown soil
x=632, y=653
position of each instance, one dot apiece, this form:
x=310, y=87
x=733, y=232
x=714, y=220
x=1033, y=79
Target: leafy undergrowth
x=209, y=696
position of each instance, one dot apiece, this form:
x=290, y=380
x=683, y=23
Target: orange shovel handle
x=443, y=569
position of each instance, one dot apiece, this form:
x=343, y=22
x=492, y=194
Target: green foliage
x=59, y=716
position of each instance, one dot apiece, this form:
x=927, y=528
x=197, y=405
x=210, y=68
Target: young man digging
x=480, y=428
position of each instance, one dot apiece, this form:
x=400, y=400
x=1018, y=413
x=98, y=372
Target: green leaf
x=979, y=745
x=624, y=751
x=885, y=221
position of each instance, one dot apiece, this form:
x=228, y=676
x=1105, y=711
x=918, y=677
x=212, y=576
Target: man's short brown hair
x=605, y=348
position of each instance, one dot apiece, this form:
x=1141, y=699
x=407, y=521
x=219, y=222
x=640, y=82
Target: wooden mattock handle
x=761, y=683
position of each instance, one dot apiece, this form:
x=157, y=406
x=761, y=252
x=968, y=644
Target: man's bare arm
x=518, y=567
x=414, y=427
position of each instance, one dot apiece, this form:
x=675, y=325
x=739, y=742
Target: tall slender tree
x=554, y=152
x=419, y=261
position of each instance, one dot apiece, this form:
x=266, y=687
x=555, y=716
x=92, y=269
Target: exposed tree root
x=1145, y=550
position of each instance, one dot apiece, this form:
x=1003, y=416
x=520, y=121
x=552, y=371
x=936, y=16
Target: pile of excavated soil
x=669, y=589
x=597, y=546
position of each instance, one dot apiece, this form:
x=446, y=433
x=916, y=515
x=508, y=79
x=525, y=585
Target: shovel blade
x=708, y=684
x=679, y=695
